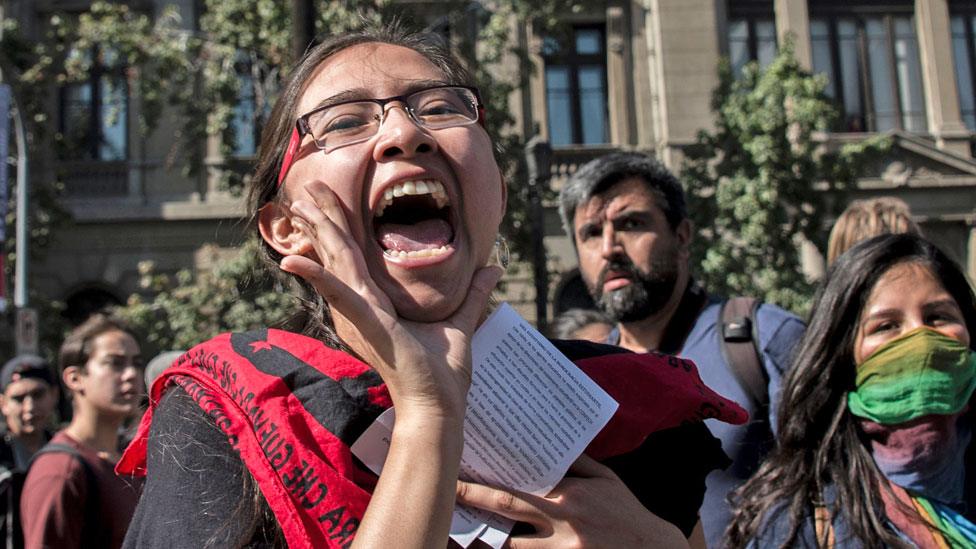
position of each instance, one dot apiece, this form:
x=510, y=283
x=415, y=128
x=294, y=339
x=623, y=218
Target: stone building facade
x=628, y=74
x=900, y=67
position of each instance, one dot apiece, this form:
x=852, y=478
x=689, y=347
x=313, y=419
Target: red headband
x=293, y=144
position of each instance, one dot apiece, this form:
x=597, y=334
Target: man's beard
x=646, y=294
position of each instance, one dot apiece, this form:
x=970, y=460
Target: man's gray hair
x=598, y=175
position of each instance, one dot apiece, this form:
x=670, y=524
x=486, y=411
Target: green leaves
x=194, y=74
x=752, y=182
x=233, y=294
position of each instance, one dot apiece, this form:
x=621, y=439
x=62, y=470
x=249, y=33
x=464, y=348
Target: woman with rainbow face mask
x=875, y=434
x=377, y=192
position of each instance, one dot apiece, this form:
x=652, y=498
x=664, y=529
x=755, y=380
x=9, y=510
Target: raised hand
x=427, y=365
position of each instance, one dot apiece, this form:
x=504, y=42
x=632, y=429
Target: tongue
x=425, y=235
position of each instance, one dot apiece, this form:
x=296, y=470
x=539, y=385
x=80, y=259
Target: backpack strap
x=11, y=485
x=740, y=347
x=59, y=448
x=91, y=530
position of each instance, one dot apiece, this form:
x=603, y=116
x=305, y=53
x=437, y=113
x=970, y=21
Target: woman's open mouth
x=412, y=221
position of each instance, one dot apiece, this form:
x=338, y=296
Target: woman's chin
x=430, y=290
x=424, y=303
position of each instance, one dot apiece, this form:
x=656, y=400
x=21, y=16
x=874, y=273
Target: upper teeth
x=414, y=188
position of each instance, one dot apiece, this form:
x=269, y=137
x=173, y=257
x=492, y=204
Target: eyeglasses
x=350, y=122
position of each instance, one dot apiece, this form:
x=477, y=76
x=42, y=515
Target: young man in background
x=72, y=497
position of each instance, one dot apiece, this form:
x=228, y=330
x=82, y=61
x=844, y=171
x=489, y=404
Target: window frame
x=94, y=135
x=752, y=39
x=859, y=17
x=968, y=15
x=245, y=80
x=568, y=57
x=752, y=12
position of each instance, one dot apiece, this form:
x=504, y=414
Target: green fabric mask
x=920, y=373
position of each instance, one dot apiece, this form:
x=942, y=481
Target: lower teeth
x=400, y=254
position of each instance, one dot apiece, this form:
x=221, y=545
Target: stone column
x=644, y=99
x=941, y=95
x=537, y=115
x=793, y=17
x=136, y=145
x=970, y=260
x=682, y=38
x=619, y=76
x=209, y=181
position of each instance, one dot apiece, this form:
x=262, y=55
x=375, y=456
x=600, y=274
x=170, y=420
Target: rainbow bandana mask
x=921, y=373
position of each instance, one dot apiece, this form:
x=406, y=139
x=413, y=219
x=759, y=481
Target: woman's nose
x=913, y=322
x=401, y=135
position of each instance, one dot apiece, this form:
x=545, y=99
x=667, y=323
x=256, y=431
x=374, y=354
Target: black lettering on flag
x=334, y=517
x=279, y=459
x=310, y=503
x=348, y=529
x=300, y=480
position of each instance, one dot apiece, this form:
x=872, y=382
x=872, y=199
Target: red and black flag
x=292, y=407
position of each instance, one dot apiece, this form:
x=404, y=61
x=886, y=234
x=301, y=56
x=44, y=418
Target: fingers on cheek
x=299, y=266
x=305, y=268
x=324, y=283
x=320, y=193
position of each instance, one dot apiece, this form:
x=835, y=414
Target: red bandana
x=291, y=407
x=655, y=392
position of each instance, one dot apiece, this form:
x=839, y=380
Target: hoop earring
x=502, y=254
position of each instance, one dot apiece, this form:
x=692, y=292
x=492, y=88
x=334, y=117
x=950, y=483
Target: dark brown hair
x=818, y=441
x=77, y=347
x=315, y=321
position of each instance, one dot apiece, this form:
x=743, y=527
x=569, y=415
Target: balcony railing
x=91, y=179
x=566, y=160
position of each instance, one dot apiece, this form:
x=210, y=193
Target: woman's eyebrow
x=343, y=96
x=356, y=94
x=882, y=313
x=948, y=302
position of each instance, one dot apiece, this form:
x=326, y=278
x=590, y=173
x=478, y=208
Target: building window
x=576, y=87
x=964, y=52
x=95, y=112
x=751, y=39
x=245, y=121
x=872, y=65
x=252, y=108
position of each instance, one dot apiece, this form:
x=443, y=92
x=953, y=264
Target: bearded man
x=627, y=218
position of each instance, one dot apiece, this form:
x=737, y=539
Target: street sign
x=26, y=330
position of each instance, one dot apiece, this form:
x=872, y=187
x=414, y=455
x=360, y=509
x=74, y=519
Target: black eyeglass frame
x=303, y=128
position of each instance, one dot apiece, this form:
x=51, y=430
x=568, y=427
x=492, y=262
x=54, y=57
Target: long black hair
x=819, y=442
